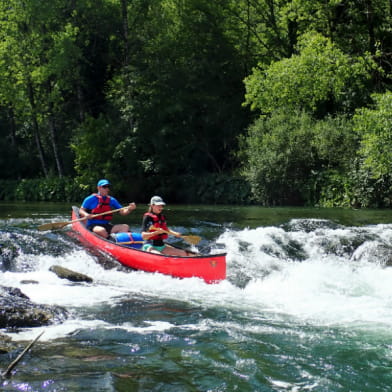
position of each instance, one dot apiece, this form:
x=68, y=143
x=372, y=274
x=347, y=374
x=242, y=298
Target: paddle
x=60, y=225
x=130, y=242
x=191, y=239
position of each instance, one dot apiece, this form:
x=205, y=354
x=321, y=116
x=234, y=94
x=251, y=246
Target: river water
x=306, y=306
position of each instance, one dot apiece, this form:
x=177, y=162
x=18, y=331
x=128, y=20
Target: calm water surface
x=306, y=305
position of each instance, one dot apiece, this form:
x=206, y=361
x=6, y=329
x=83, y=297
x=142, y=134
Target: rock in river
x=65, y=273
x=18, y=311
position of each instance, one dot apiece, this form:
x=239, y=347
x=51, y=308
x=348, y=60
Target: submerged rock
x=6, y=344
x=18, y=311
x=65, y=273
x=373, y=251
x=8, y=254
x=29, y=281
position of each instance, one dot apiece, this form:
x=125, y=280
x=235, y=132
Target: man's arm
x=128, y=209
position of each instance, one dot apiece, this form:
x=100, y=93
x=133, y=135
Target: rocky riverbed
x=18, y=311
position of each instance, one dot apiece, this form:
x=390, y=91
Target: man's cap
x=103, y=182
x=157, y=200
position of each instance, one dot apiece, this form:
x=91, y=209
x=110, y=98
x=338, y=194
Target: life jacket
x=103, y=206
x=159, y=222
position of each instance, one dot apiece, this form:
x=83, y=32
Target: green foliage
x=93, y=148
x=292, y=158
x=7, y=189
x=182, y=95
x=320, y=79
x=49, y=189
x=355, y=188
x=374, y=127
x=356, y=27
x=280, y=158
x=207, y=189
x=214, y=189
x=102, y=150
x=334, y=189
x=150, y=95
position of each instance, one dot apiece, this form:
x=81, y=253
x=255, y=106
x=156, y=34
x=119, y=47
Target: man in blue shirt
x=100, y=202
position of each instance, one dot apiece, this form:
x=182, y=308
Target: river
x=306, y=306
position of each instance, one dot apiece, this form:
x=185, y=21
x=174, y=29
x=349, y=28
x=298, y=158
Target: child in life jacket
x=155, y=230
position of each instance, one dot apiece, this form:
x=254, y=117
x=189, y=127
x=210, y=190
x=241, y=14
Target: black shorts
x=108, y=227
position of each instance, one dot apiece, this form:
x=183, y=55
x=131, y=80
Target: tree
x=37, y=55
x=280, y=157
x=373, y=126
x=184, y=93
x=321, y=79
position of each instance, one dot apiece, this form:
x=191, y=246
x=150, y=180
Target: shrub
x=45, y=189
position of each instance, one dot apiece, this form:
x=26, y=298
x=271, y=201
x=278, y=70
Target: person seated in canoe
x=155, y=230
x=99, y=203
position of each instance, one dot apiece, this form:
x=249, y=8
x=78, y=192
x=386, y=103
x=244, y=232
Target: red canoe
x=211, y=268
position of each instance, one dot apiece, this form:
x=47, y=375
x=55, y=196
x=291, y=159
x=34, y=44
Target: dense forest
x=274, y=102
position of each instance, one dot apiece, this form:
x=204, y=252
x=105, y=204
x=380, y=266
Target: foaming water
x=323, y=276
x=307, y=270
x=305, y=306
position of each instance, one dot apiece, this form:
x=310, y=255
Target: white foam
x=323, y=288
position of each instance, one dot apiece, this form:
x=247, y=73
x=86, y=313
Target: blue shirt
x=90, y=202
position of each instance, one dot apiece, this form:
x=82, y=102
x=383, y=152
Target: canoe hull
x=211, y=268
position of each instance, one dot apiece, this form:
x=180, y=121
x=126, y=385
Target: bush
x=209, y=189
x=279, y=158
x=215, y=189
x=357, y=188
x=48, y=189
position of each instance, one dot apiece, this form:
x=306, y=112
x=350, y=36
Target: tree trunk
x=80, y=103
x=36, y=129
x=14, y=143
x=11, y=117
x=370, y=25
x=53, y=137
x=124, y=15
x=53, y=134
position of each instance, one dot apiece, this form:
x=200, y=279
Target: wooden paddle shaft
x=59, y=225
x=129, y=242
x=101, y=214
x=163, y=231
x=192, y=239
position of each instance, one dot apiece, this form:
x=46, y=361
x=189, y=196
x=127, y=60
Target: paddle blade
x=191, y=239
x=53, y=226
